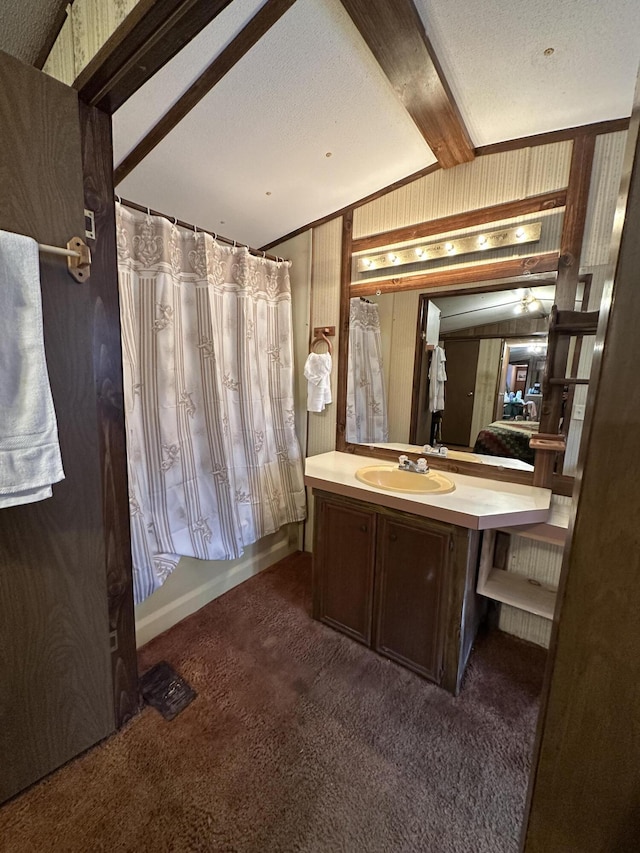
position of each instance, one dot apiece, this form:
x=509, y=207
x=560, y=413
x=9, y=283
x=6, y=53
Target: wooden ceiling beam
x=151, y=34
x=261, y=23
x=395, y=35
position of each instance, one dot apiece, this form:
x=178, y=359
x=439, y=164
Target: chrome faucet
x=436, y=450
x=419, y=467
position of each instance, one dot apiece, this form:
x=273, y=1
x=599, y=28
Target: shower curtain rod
x=143, y=209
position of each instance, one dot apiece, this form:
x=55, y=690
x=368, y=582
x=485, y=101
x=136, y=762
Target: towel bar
x=78, y=256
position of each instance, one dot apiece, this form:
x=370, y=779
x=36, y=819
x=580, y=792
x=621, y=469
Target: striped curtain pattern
x=366, y=401
x=213, y=459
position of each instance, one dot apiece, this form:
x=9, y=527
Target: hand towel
x=29, y=451
x=317, y=371
x=437, y=378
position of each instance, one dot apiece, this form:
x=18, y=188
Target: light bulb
x=534, y=305
x=520, y=233
x=393, y=258
x=420, y=253
x=367, y=262
x=449, y=247
x=518, y=308
x=482, y=241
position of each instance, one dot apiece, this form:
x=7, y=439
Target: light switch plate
x=578, y=412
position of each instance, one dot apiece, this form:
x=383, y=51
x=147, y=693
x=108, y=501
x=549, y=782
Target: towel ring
x=321, y=339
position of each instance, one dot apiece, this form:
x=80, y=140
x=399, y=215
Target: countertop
x=476, y=503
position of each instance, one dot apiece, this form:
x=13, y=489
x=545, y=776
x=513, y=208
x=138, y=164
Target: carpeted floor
x=300, y=740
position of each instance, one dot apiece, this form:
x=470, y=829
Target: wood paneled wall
x=484, y=395
x=488, y=180
x=325, y=311
x=402, y=356
x=88, y=26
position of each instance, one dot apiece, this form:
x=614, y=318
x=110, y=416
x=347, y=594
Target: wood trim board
x=459, y=221
x=95, y=127
x=150, y=35
x=395, y=34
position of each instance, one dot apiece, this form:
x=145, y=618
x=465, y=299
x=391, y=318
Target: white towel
x=437, y=378
x=29, y=452
x=317, y=371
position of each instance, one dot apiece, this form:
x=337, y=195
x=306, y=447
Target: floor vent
x=165, y=690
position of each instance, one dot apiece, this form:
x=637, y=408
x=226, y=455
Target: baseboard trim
x=170, y=614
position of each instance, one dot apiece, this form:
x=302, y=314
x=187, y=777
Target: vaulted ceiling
x=336, y=99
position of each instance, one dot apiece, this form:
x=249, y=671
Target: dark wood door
x=343, y=566
x=411, y=562
x=461, y=366
x=55, y=671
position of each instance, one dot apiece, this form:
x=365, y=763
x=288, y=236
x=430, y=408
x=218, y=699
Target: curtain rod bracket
x=79, y=263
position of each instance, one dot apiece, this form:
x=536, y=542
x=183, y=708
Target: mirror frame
x=489, y=276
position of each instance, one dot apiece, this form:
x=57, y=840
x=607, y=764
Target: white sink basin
x=394, y=480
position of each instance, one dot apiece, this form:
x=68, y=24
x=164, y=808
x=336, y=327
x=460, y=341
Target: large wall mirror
x=494, y=343
x=492, y=333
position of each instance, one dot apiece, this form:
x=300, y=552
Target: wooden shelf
x=553, y=530
x=519, y=591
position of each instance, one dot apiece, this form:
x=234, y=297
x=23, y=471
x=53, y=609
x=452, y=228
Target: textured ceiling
x=250, y=161
x=25, y=26
x=493, y=56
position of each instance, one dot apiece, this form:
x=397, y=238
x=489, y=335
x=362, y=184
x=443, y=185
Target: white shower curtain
x=213, y=459
x=366, y=402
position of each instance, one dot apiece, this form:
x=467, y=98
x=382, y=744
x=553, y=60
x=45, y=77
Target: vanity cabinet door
x=411, y=565
x=343, y=566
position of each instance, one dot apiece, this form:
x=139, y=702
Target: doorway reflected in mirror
x=494, y=345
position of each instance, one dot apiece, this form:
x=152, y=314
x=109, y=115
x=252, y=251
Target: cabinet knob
x=393, y=537
x=364, y=528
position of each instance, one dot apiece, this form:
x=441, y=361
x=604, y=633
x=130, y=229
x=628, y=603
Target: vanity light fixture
x=427, y=252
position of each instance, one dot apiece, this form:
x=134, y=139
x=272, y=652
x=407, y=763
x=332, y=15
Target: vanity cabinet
x=343, y=566
x=401, y=584
x=411, y=563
